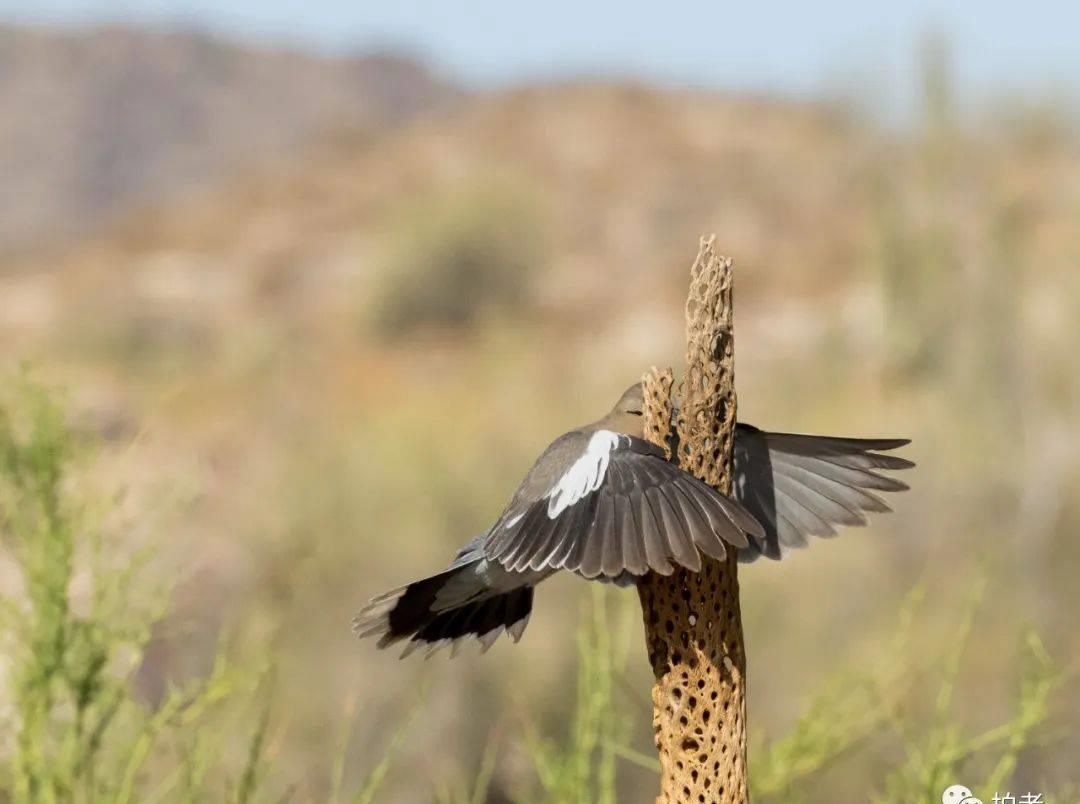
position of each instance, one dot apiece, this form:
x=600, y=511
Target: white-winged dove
x=603, y=503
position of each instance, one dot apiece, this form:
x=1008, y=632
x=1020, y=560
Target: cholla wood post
x=693, y=625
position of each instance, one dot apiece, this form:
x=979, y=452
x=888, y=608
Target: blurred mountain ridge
x=594, y=192
x=619, y=179
x=96, y=122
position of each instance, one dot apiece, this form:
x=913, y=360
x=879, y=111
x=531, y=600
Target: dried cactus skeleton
x=692, y=619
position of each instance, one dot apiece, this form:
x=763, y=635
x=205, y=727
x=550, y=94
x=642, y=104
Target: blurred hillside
x=619, y=180
x=316, y=377
x=95, y=124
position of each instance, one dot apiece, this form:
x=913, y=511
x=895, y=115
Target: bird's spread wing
x=799, y=486
x=615, y=506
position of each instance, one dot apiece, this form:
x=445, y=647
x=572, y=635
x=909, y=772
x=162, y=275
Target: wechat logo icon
x=958, y=794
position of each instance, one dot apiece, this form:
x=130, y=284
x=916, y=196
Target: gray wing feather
x=633, y=554
x=800, y=486
x=853, y=498
x=802, y=514
x=470, y=552
x=789, y=534
x=850, y=475
x=607, y=522
x=595, y=548
x=680, y=545
x=698, y=522
x=807, y=493
x=645, y=514
x=698, y=516
x=548, y=533
x=656, y=548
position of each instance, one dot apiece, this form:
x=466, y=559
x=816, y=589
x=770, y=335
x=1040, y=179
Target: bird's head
x=628, y=414
x=632, y=401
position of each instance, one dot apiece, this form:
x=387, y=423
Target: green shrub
x=581, y=766
x=80, y=731
x=901, y=703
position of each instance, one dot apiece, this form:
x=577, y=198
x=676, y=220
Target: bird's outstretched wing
x=614, y=507
x=799, y=486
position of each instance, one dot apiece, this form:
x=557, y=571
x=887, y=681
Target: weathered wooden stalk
x=693, y=625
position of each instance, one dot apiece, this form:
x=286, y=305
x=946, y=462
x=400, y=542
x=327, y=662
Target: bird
x=605, y=504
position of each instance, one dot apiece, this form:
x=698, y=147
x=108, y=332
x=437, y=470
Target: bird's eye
x=636, y=413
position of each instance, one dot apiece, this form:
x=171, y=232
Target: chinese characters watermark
x=958, y=794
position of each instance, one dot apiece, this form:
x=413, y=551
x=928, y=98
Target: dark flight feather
x=798, y=486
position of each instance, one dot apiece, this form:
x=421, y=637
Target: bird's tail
x=416, y=613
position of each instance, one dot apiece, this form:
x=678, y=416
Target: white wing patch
x=585, y=475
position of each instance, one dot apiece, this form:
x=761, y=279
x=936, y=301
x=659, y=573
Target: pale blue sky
x=864, y=48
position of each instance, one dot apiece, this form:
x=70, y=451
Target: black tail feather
x=406, y=614
x=482, y=619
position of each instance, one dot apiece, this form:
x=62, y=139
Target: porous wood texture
x=693, y=625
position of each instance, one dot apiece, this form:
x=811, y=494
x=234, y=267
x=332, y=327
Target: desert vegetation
x=248, y=410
